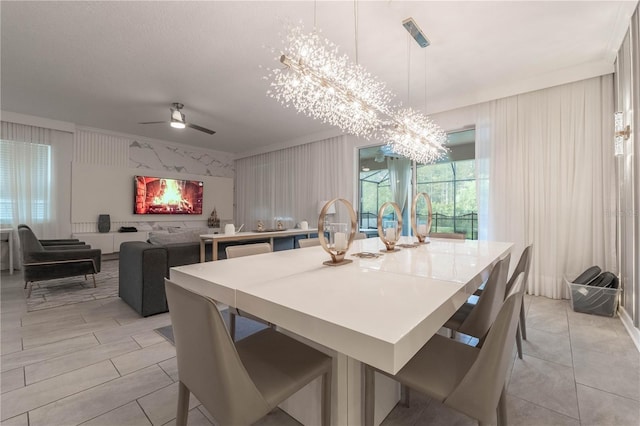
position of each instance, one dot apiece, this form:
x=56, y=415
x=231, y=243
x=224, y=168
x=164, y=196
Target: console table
x=380, y=311
x=248, y=236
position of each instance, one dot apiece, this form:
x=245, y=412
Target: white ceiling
x=110, y=65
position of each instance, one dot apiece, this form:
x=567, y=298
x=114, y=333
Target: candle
x=390, y=234
x=340, y=239
x=422, y=229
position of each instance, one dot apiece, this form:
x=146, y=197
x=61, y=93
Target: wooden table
x=380, y=311
x=247, y=236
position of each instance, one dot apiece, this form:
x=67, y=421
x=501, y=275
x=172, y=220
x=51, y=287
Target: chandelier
x=415, y=136
x=324, y=85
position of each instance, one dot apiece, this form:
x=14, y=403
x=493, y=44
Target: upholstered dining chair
x=241, y=251
x=476, y=319
x=308, y=242
x=521, y=267
x=449, y=235
x=40, y=263
x=468, y=379
x=238, y=383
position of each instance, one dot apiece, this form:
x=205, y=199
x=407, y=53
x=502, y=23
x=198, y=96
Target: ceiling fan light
x=177, y=124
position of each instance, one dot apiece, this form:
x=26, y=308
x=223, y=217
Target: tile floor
x=99, y=363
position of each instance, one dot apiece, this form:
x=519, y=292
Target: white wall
x=104, y=164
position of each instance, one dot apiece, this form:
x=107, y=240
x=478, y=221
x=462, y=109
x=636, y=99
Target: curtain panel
x=291, y=183
x=23, y=186
x=545, y=176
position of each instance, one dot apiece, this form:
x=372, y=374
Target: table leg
x=214, y=250
x=202, y=251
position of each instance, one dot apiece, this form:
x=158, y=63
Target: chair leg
x=369, y=395
x=94, y=280
x=452, y=333
x=519, y=342
x=25, y=284
x=405, y=395
x=29, y=290
x=502, y=408
x=232, y=325
x=326, y=398
x=183, y=405
x=85, y=277
x=523, y=325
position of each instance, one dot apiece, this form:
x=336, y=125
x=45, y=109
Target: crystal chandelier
x=324, y=85
x=413, y=135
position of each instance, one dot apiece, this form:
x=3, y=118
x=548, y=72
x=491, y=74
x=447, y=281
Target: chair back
x=478, y=393
x=450, y=235
x=208, y=363
x=485, y=311
x=521, y=268
x=309, y=242
x=28, y=243
x=247, y=250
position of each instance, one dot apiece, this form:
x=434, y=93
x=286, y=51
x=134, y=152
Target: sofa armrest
x=142, y=270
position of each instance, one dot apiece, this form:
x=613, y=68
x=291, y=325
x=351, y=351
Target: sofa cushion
x=174, y=237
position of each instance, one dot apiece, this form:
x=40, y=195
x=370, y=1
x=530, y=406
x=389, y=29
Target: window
x=452, y=188
x=451, y=184
x=25, y=179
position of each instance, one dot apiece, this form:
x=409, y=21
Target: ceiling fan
x=177, y=120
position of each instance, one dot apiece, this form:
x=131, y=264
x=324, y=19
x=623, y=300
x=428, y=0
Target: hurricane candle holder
x=340, y=238
x=389, y=230
x=421, y=227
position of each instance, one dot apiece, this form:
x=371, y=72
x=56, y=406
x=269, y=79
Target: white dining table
x=378, y=311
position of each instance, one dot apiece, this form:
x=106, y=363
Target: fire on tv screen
x=154, y=195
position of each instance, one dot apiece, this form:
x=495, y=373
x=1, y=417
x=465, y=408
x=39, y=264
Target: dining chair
x=476, y=319
x=238, y=383
x=468, y=379
x=247, y=250
x=360, y=236
x=450, y=235
x=521, y=267
x=308, y=242
x=241, y=251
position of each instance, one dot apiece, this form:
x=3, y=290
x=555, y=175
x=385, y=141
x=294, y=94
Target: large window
x=450, y=183
x=452, y=188
x=25, y=180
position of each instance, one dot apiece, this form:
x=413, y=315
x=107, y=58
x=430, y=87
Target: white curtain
x=290, y=183
x=23, y=184
x=545, y=176
x=399, y=179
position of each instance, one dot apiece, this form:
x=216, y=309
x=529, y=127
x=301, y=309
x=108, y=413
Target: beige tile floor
x=99, y=363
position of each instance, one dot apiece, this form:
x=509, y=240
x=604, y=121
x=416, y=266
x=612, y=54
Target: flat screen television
x=157, y=195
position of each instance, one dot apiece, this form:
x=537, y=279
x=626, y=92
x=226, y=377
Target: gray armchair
x=62, y=243
x=40, y=264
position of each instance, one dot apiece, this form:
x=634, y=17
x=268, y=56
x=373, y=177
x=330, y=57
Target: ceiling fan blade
x=202, y=129
x=153, y=122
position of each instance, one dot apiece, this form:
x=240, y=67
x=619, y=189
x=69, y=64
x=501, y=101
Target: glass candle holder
x=420, y=225
x=340, y=237
x=389, y=230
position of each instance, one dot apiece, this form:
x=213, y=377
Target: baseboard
x=634, y=332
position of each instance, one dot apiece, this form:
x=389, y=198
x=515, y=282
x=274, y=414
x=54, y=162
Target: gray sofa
x=143, y=268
